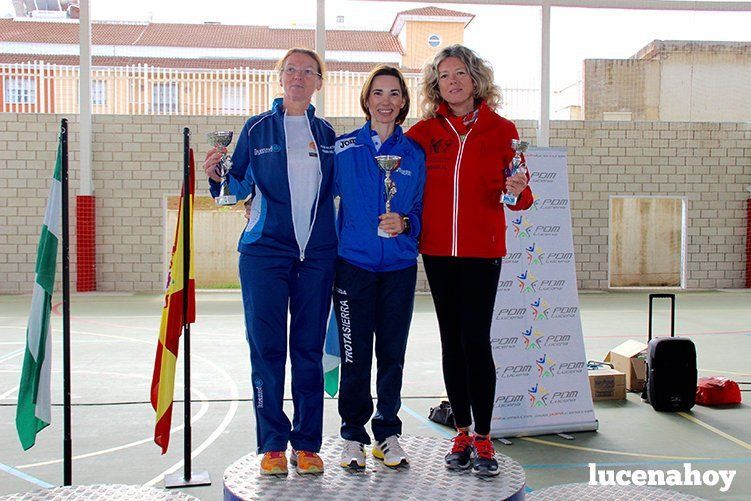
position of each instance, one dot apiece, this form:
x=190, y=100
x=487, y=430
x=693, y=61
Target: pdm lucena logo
x=538, y=396
x=521, y=226
x=546, y=366
x=532, y=338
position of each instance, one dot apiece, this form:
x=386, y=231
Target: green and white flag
x=34, y=409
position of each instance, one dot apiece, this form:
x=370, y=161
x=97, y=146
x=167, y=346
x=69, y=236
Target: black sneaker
x=484, y=464
x=460, y=457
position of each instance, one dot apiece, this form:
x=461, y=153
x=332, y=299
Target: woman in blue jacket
x=375, y=275
x=284, y=159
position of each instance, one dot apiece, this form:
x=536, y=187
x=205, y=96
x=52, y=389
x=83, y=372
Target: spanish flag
x=163, y=380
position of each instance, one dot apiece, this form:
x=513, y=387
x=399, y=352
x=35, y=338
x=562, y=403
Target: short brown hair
x=384, y=69
x=299, y=50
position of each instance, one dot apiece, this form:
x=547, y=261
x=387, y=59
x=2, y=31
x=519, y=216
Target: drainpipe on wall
x=85, y=202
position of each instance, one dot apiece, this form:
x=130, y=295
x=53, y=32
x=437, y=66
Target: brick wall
x=138, y=162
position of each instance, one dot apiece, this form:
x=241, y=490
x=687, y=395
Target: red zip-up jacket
x=462, y=213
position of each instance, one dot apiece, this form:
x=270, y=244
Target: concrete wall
x=138, y=162
x=622, y=85
x=679, y=86
x=706, y=86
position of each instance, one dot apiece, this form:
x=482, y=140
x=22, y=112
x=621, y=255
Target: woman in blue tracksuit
x=284, y=158
x=375, y=276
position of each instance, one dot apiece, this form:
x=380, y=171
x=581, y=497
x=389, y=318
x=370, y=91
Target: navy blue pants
x=270, y=285
x=372, y=305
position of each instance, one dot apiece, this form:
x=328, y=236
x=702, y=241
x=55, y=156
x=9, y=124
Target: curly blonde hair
x=479, y=70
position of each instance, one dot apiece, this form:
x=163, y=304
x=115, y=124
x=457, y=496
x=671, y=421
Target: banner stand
x=542, y=386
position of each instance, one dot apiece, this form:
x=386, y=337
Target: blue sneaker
x=460, y=457
x=484, y=464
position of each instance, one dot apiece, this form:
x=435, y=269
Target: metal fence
x=42, y=87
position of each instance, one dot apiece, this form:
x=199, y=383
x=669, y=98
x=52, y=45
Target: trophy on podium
x=517, y=165
x=223, y=138
x=388, y=164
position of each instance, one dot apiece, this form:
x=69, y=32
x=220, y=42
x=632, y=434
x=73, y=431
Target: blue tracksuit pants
x=270, y=285
x=372, y=305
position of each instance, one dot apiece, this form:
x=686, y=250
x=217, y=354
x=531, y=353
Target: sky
x=507, y=36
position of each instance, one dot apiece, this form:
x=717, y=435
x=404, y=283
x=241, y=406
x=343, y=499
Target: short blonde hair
x=479, y=70
x=384, y=69
x=299, y=50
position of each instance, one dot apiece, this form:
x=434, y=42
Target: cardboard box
x=607, y=384
x=630, y=358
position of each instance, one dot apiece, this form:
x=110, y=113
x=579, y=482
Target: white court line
x=214, y=435
x=12, y=354
x=727, y=372
x=8, y=393
x=218, y=431
x=204, y=408
x=24, y=476
x=195, y=331
x=201, y=412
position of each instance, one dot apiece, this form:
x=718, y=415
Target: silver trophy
x=223, y=138
x=388, y=164
x=517, y=165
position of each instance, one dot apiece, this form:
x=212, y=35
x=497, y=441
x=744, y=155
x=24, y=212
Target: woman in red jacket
x=468, y=147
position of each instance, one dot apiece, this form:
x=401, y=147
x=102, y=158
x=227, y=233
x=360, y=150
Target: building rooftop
x=209, y=35
x=659, y=48
x=435, y=11
x=429, y=14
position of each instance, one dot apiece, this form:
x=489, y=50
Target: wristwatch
x=407, y=225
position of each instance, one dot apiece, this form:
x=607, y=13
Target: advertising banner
x=538, y=348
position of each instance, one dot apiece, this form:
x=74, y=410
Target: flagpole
x=187, y=442
x=67, y=439
x=188, y=478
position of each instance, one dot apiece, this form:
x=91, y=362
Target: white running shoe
x=391, y=452
x=353, y=455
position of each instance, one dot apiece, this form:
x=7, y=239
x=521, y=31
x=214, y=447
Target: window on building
x=234, y=99
x=98, y=92
x=20, y=90
x=47, y=5
x=164, y=98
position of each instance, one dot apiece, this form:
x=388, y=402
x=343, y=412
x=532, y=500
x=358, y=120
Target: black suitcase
x=671, y=367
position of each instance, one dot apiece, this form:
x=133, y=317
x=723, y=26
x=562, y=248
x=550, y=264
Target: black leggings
x=464, y=292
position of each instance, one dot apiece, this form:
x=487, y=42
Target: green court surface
x=114, y=341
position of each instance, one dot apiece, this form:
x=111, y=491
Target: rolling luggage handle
x=672, y=312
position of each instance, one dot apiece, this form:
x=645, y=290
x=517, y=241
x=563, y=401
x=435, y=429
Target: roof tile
x=435, y=11
x=196, y=35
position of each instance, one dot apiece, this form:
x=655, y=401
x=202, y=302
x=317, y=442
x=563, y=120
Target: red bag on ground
x=717, y=391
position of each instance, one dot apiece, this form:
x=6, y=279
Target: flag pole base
x=174, y=480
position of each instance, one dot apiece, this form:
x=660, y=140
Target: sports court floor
x=113, y=346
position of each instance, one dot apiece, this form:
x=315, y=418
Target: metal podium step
x=426, y=478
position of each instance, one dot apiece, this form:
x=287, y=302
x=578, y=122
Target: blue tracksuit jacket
x=359, y=183
x=259, y=167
